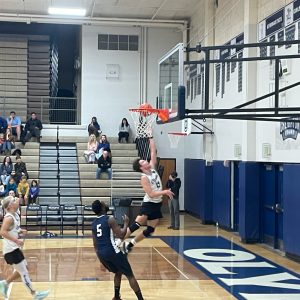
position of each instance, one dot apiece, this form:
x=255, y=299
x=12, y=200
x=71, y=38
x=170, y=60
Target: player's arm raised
x=153, y=194
x=113, y=224
x=153, y=153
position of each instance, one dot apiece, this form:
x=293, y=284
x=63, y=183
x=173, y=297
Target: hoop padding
x=144, y=119
x=174, y=138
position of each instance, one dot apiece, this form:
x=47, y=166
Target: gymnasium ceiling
x=141, y=9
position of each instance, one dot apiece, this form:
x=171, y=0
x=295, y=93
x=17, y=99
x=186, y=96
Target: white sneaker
x=3, y=288
x=41, y=295
x=126, y=249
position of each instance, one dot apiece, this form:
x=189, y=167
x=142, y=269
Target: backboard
x=171, y=92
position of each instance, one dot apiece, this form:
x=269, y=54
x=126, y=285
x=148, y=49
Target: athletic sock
x=132, y=243
x=117, y=292
x=139, y=295
x=118, y=242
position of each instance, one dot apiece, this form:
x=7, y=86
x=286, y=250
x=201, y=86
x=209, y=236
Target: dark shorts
x=151, y=210
x=117, y=263
x=14, y=257
x=13, y=131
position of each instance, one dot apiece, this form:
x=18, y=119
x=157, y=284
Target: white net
x=143, y=122
x=174, y=139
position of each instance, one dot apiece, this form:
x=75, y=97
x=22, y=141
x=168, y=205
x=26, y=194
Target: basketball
x=144, y=106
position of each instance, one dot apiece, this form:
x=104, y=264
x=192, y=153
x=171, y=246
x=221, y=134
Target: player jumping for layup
x=12, y=254
x=150, y=210
x=109, y=254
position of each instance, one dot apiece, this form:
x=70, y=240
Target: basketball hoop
x=174, y=138
x=144, y=118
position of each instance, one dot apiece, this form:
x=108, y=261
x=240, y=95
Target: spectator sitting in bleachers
x=2, y=189
x=23, y=190
x=14, y=123
x=90, y=153
x=94, y=127
x=104, y=165
x=11, y=186
x=6, y=169
x=3, y=125
x=124, y=130
x=9, y=142
x=33, y=192
x=2, y=141
x=19, y=170
x=32, y=128
x=103, y=146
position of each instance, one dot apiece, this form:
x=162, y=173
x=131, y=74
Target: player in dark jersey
x=104, y=228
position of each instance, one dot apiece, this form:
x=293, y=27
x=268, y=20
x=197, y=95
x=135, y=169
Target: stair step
x=62, y=159
x=48, y=174
x=69, y=183
x=44, y=183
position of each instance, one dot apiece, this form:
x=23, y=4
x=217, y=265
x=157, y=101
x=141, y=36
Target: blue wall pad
x=206, y=191
x=221, y=194
x=192, y=187
x=249, y=201
x=291, y=200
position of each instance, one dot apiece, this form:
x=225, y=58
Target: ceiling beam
x=158, y=9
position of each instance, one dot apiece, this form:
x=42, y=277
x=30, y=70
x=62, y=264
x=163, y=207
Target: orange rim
x=163, y=114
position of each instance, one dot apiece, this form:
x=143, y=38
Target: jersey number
x=99, y=230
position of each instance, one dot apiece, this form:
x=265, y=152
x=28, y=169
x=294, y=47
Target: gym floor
x=170, y=265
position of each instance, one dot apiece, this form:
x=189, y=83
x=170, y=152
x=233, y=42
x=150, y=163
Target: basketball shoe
x=40, y=295
x=3, y=288
x=126, y=248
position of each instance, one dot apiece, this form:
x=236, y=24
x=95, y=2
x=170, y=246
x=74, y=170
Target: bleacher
x=124, y=183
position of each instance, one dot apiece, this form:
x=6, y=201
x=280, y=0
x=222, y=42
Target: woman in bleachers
x=94, y=127
x=90, y=153
x=124, y=130
x=6, y=169
x=103, y=146
x=19, y=170
x=9, y=142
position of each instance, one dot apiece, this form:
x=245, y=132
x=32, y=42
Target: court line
x=178, y=270
x=50, y=276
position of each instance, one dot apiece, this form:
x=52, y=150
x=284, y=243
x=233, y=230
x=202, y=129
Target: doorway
x=169, y=165
x=272, y=206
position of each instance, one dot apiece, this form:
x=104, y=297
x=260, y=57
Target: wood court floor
x=69, y=267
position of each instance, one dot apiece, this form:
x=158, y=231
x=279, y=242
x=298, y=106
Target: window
x=118, y=42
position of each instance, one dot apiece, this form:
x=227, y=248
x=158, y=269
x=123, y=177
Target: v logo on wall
x=286, y=135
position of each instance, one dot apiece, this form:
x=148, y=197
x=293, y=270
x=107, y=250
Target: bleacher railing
x=50, y=110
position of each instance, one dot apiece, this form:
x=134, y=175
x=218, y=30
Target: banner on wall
x=227, y=53
x=278, y=20
x=287, y=135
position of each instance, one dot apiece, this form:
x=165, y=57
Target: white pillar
x=250, y=77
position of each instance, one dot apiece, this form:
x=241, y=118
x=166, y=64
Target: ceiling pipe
x=82, y=20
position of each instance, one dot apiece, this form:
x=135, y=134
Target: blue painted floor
x=242, y=273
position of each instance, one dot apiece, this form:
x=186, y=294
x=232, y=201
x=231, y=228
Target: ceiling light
x=67, y=11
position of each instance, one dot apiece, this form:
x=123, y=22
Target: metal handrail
x=59, y=110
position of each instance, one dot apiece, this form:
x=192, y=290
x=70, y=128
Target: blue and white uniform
x=109, y=254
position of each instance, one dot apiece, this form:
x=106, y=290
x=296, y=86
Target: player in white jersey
x=11, y=249
x=150, y=210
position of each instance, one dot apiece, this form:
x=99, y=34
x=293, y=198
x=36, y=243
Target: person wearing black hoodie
x=32, y=128
x=94, y=127
x=174, y=185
